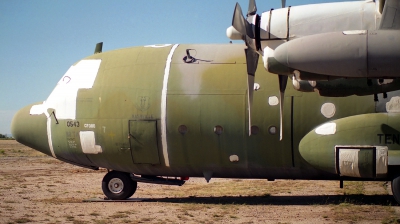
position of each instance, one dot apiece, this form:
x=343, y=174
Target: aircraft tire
x=118, y=185
x=396, y=188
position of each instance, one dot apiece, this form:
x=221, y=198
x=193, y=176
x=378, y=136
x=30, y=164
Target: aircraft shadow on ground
x=384, y=200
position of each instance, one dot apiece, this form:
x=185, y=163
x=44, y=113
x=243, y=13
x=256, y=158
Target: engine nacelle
x=351, y=54
x=354, y=146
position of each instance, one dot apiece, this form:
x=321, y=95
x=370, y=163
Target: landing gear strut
x=396, y=188
x=118, y=185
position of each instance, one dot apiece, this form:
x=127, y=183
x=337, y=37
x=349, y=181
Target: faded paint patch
x=393, y=106
x=348, y=162
x=63, y=97
x=326, y=129
x=273, y=101
x=37, y=109
x=88, y=143
x=328, y=110
x=234, y=158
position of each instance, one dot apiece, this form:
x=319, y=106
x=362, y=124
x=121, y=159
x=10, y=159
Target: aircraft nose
x=31, y=130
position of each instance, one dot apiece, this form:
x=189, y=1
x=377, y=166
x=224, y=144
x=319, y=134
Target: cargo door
x=143, y=141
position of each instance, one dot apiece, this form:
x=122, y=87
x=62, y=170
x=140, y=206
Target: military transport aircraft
x=318, y=110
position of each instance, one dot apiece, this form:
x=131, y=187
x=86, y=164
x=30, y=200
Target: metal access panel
x=362, y=161
x=144, y=142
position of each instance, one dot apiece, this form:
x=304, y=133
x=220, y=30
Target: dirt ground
x=39, y=189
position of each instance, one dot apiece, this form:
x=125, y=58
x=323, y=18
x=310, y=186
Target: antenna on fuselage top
x=99, y=48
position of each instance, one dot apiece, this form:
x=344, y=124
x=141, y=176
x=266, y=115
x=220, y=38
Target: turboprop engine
x=351, y=54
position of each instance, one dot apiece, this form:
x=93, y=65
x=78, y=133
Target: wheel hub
x=116, y=185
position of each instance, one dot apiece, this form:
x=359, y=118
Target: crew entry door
x=143, y=141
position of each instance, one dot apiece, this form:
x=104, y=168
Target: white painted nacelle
x=281, y=25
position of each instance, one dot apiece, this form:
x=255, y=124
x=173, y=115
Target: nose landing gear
x=118, y=185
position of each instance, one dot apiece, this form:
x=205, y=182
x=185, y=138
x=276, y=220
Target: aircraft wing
x=391, y=15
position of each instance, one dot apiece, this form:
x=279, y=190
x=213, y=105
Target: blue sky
x=41, y=39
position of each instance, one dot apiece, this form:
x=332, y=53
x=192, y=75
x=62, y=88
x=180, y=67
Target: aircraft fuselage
x=144, y=110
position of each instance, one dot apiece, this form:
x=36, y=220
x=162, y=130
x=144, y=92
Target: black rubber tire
x=118, y=185
x=396, y=189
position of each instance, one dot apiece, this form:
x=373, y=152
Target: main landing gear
x=396, y=188
x=118, y=185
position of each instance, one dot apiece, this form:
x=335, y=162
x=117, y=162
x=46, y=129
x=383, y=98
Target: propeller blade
x=238, y=20
x=252, y=62
x=252, y=8
x=283, y=3
x=250, y=87
x=242, y=25
x=282, y=86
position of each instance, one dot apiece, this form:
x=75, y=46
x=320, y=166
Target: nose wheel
x=118, y=185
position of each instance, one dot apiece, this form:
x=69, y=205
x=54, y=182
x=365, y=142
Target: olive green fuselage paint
x=124, y=110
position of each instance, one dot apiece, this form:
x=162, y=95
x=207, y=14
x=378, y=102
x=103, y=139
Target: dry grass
x=11, y=148
x=40, y=189
x=355, y=213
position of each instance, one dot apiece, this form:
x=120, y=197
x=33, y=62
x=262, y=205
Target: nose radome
x=31, y=130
